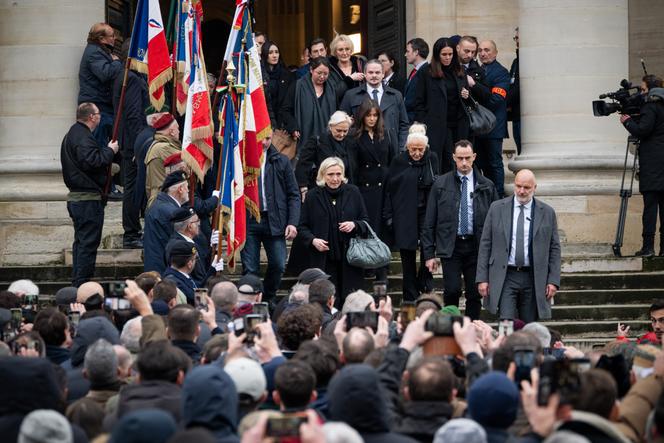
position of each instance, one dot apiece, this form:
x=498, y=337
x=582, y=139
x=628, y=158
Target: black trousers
x=652, y=202
x=517, y=299
x=131, y=217
x=415, y=281
x=88, y=218
x=462, y=263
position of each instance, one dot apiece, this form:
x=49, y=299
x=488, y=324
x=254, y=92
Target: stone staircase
x=597, y=290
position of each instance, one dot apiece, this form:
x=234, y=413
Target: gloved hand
x=218, y=264
x=216, y=194
x=214, y=238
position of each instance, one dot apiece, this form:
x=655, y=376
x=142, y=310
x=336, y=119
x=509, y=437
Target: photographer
x=650, y=130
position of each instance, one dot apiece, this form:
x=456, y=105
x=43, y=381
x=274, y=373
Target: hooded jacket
x=27, y=384
x=355, y=397
x=150, y=425
x=210, y=400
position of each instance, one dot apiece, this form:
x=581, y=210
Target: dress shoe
x=133, y=244
x=115, y=196
x=645, y=252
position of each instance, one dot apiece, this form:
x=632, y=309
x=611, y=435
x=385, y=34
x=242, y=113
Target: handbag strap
x=371, y=231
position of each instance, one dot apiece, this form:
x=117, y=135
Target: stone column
x=40, y=47
x=570, y=52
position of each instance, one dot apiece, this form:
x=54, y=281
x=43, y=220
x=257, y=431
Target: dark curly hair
x=299, y=325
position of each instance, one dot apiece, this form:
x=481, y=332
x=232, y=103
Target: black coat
x=397, y=82
x=281, y=192
x=431, y=108
x=277, y=96
x=442, y=218
x=95, y=77
x=650, y=129
x=84, y=162
x=315, y=222
x=410, y=91
x=342, y=81
x=157, y=231
x=144, y=140
x=401, y=200
x=514, y=92
x=318, y=149
x=480, y=91
x=133, y=110
x=371, y=159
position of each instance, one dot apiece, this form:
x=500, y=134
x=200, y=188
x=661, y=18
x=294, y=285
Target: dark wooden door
x=387, y=29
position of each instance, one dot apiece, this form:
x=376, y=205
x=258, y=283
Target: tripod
x=626, y=193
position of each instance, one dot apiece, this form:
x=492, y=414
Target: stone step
x=591, y=329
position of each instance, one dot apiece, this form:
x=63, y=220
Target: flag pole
x=176, y=36
x=116, y=128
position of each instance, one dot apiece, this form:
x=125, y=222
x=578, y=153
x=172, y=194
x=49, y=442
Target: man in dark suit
x=158, y=226
x=518, y=265
x=390, y=101
x=458, y=204
x=489, y=147
x=417, y=51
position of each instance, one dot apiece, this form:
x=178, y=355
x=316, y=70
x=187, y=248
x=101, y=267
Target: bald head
x=224, y=295
x=524, y=186
x=357, y=344
x=488, y=51
x=86, y=290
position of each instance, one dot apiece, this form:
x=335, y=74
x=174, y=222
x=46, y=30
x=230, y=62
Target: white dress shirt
x=527, y=218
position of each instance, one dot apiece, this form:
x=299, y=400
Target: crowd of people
x=140, y=364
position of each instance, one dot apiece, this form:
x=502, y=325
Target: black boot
x=648, y=249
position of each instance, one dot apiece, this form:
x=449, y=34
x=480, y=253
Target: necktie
x=375, y=95
x=412, y=74
x=519, y=257
x=463, y=207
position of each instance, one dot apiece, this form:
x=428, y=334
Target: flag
x=254, y=120
x=198, y=126
x=149, y=51
x=234, y=218
x=190, y=14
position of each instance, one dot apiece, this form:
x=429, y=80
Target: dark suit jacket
x=157, y=231
x=281, y=192
x=392, y=106
x=543, y=250
x=397, y=82
x=410, y=92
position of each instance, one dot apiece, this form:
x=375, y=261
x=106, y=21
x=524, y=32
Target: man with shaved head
x=489, y=147
x=518, y=264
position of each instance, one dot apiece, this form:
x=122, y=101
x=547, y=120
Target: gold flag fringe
x=157, y=82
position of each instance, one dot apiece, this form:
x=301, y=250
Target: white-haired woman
x=332, y=143
x=407, y=189
x=332, y=213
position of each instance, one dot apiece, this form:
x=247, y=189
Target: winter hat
x=47, y=426
x=460, y=430
x=493, y=400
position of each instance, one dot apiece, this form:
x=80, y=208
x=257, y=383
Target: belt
x=519, y=268
x=466, y=237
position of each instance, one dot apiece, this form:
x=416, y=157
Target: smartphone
x=506, y=327
x=116, y=289
x=408, y=313
x=362, y=319
x=262, y=310
x=286, y=426
x=30, y=301
x=16, y=318
x=238, y=326
x=250, y=323
x=75, y=318
x=200, y=298
x=524, y=359
x=116, y=304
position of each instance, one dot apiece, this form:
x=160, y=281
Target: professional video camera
x=623, y=102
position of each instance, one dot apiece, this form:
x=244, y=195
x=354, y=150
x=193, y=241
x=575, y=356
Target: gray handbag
x=482, y=121
x=368, y=253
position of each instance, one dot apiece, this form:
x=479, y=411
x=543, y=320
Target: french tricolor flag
x=149, y=51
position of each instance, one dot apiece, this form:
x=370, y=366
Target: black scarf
x=274, y=74
x=333, y=198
